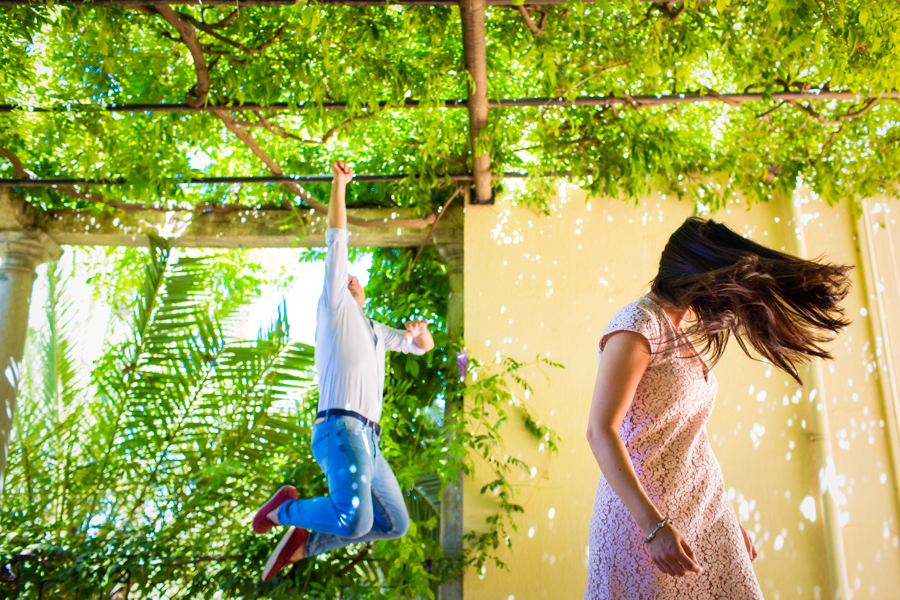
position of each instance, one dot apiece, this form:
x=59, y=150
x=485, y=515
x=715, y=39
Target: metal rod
x=250, y=179
x=641, y=101
x=241, y=3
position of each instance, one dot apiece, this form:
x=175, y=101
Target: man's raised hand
x=415, y=328
x=341, y=172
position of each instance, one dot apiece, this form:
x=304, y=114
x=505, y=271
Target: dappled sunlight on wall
x=547, y=285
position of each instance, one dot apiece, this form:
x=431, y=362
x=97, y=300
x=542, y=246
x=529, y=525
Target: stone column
x=21, y=250
x=450, y=244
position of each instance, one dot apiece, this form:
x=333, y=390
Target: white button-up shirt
x=350, y=347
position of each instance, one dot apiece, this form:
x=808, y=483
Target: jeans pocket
x=320, y=434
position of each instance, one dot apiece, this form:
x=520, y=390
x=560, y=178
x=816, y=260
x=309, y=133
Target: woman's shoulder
x=640, y=316
x=641, y=311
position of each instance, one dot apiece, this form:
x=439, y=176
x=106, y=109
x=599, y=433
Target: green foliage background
x=79, y=58
x=156, y=455
x=143, y=469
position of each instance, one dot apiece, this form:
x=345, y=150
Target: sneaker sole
x=264, y=524
x=273, y=558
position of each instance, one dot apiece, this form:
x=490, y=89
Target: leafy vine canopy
x=77, y=59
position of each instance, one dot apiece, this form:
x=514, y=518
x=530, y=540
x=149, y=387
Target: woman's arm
x=625, y=358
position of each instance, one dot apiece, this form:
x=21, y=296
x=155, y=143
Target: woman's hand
x=341, y=172
x=748, y=543
x=671, y=554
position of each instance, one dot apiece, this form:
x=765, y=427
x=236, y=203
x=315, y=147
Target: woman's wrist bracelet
x=660, y=525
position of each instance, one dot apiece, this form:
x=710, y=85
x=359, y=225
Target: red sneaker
x=261, y=522
x=285, y=551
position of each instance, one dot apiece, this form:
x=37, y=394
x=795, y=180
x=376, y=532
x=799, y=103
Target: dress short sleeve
x=640, y=317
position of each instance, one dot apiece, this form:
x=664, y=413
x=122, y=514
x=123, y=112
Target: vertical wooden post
x=450, y=244
x=471, y=14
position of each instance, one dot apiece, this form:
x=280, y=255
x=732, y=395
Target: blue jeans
x=365, y=501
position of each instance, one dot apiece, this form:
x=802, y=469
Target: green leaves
x=365, y=55
x=180, y=434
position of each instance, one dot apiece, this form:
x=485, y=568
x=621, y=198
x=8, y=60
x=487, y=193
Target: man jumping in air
x=365, y=501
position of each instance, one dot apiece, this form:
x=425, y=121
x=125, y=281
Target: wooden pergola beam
x=471, y=13
x=273, y=228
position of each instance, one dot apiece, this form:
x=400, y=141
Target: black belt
x=340, y=412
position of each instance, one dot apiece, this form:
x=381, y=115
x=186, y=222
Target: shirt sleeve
x=336, y=266
x=394, y=341
x=638, y=319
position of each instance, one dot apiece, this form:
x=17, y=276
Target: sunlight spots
x=551, y=513
x=761, y=396
x=756, y=433
x=779, y=543
x=864, y=312
x=808, y=508
x=531, y=532
x=355, y=502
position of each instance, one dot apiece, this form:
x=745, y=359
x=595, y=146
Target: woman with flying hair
x=663, y=527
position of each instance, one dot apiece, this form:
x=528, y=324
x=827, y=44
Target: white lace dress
x=664, y=431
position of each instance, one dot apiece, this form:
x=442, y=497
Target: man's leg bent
x=343, y=449
x=391, y=519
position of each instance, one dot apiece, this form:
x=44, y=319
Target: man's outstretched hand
x=415, y=328
x=418, y=331
x=341, y=172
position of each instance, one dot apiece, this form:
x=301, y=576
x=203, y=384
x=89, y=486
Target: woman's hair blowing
x=783, y=306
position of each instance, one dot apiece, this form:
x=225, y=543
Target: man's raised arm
x=336, y=237
x=337, y=206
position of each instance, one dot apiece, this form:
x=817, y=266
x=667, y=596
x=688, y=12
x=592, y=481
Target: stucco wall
x=549, y=284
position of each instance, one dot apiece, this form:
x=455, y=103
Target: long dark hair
x=782, y=306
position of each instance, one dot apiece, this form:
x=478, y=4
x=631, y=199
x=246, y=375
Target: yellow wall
x=549, y=285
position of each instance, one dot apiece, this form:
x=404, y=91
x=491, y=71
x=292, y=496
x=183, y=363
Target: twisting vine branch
x=867, y=105
x=18, y=167
x=188, y=36
x=536, y=30
x=440, y=214
x=201, y=91
x=211, y=30
x=831, y=139
x=310, y=200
